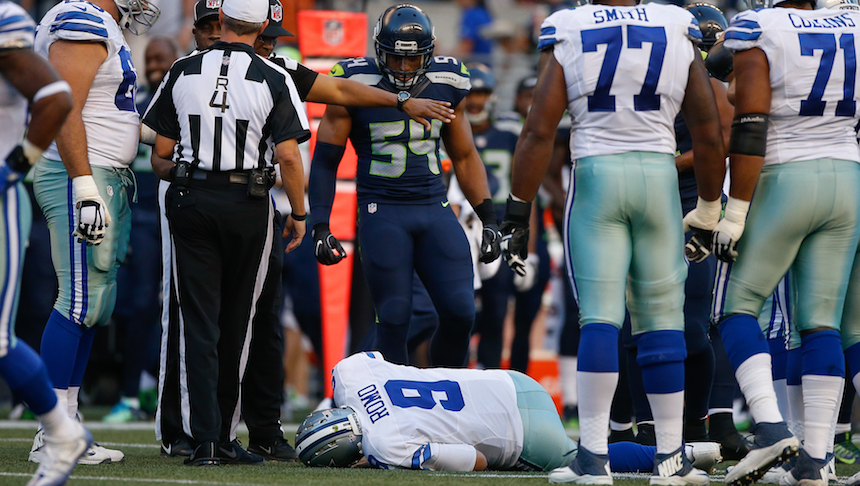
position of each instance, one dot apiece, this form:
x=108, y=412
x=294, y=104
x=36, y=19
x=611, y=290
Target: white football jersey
x=626, y=71
x=430, y=418
x=16, y=32
x=813, y=70
x=110, y=116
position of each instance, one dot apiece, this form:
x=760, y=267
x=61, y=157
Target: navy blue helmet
x=481, y=77
x=404, y=30
x=712, y=23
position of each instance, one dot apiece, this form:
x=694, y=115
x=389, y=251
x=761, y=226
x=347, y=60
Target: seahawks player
x=791, y=135
x=81, y=181
x=405, y=222
x=623, y=72
x=400, y=417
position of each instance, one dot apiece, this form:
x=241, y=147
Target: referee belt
x=221, y=178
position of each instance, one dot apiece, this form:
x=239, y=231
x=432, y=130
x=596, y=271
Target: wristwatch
x=402, y=97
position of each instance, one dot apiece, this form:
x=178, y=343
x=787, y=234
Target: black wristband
x=749, y=134
x=518, y=211
x=299, y=217
x=486, y=212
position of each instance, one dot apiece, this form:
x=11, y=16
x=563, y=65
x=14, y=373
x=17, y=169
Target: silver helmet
x=330, y=438
x=137, y=16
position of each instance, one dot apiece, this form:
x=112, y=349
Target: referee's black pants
x=222, y=240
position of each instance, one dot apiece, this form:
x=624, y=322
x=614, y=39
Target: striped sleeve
x=549, y=35
x=77, y=25
x=693, y=31
x=744, y=32
x=16, y=27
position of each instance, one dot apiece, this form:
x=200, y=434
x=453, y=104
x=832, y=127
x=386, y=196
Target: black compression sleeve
x=323, y=178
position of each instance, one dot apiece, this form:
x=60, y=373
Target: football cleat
x=703, y=455
x=586, y=468
x=97, y=454
x=59, y=456
x=844, y=449
x=806, y=471
x=674, y=469
x=774, y=474
x=773, y=444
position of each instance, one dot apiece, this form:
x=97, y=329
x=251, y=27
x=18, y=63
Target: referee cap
x=204, y=9
x=276, y=21
x=253, y=11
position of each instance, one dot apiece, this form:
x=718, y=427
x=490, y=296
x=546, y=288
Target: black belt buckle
x=258, y=184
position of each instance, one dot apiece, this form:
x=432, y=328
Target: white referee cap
x=254, y=11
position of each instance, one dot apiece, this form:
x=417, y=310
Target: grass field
x=143, y=465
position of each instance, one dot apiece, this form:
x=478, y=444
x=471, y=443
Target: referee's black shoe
x=279, y=449
x=206, y=454
x=179, y=447
x=233, y=453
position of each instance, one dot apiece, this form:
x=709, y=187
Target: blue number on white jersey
x=809, y=43
x=125, y=94
x=409, y=393
x=647, y=99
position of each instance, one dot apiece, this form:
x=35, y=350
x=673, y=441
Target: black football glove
x=515, y=235
x=326, y=247
x=491, y=240
x=699, y=246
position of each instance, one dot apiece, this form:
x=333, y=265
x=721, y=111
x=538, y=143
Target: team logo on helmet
x=213, y=3
x=277, y=12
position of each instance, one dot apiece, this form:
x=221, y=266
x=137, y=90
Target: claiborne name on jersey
x=835, y=22
x=372, y=401
x=611, y=14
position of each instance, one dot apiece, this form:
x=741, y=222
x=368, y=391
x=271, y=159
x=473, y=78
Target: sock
x=631, y=457
x=794, y=393
x=742, y=338
x=841, y=428
x=620, y=427
x=781, y=391
x=56, y=422
x=597, y=377
x=756, y=381
x=59, y=349
x=72, y=408
x=661, y=356
x=567, y=375
x=823, y=370
x=835, y=421
x=27, y=377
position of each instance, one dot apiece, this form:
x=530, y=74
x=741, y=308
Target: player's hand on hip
x=91, y=213
x=730, y=229
x=701, y=221
x=327, y=249
x=297, y=229
x=515, y=235
x=420, y=109
x=491, y=239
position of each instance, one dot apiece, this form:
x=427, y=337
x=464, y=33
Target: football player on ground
x=400, y=417
x=623, y=72
x=791, y=135
x=405, y=222
x=81, y=182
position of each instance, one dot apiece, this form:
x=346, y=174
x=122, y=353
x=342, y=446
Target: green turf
x=143, y=465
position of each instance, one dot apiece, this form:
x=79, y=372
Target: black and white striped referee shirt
x=226, y=106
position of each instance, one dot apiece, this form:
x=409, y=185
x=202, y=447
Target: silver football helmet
x=137, y=16
x=841, y=4
x=330, y=438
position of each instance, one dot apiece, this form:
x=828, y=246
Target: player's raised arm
x=331, y=142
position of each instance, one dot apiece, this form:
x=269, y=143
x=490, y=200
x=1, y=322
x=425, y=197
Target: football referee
x=216, y=114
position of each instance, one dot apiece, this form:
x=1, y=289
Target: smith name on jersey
x=398, y=160
x=626, y=71
x=813, y=70
x=112, y=121
x=16, y=32
x=430, y=418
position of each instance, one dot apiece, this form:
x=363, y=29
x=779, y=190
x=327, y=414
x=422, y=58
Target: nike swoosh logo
x=167, y=449
x=267, y=450
x=82, y=9
x=230, y=453
x=445, y=204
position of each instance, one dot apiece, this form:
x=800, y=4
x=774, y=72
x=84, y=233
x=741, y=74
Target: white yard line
x=133, y=480
x=113, y=444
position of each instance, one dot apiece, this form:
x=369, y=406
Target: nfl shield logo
x=371, y=208
x=277, y=12
x=333, y=32
x=213, y=3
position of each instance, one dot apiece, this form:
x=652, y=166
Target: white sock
x=833, y=423
x=779, y=388
x=74, y=391
x=619, y=427
x=756, y=381
x=820, y=406
x=62, y=398
x=795, y=409
x=668, y=412
x=57, y=422
x=841, y=428
x=567, y=375
x=595, y=391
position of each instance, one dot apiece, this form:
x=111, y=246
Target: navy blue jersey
x=398, y=160
x=496, y=147
x=687, y=179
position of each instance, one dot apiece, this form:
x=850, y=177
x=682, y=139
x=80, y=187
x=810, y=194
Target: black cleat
x=206, y=454
x=177, y=448
x=279, y=449
x=233, y=453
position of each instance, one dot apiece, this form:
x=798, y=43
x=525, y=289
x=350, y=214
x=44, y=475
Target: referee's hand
x=420, y=109
x=298, y=229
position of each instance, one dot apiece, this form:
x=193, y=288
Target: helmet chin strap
x=478, y=118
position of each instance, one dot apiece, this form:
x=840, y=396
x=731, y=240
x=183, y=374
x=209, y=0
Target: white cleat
x=59, y=456
x=704, y=455
x=97, y=454
x=774, y=474
x=773, y=444
x=586, y=468
x=853, y=480
x=674, y=469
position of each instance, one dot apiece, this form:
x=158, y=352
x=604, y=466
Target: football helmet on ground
x=330, y=438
